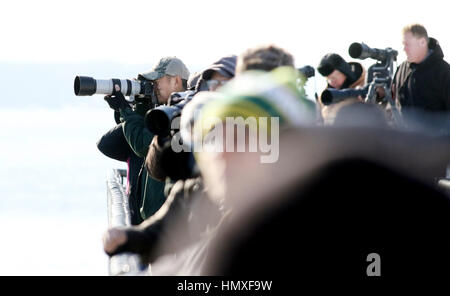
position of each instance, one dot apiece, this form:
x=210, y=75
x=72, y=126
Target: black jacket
x=114, y=145
x=424, y=86
x=179, y=223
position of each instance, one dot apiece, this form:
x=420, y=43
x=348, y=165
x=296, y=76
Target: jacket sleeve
x=113, y=144
x=140, y=242
x=135, y=132
x=182, y=219
x=447, y=90
x=156, y=230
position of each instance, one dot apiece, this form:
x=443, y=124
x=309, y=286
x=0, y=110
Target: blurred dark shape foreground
x=339, y=195
x=327, y=225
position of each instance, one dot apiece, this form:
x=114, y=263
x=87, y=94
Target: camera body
x=159, y=119
x=307, y=71
x=162, y=121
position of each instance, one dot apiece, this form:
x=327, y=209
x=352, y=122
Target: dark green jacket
x=139, y=138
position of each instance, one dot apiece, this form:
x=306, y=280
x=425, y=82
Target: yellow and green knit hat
x=260, y=94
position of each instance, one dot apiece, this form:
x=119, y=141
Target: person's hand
x=117, y=101
x=380, y=92
x=114, y=238
x=359, y=98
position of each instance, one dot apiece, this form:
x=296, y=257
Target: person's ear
x=423, y=42
x=177, y=80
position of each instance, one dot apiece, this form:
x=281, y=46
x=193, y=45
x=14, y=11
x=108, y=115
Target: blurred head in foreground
x=238, y=131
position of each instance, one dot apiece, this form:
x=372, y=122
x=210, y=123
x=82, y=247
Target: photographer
x=339, y=75
x=114, y=145
x=421, y=86
x=187, y=205
x=169, y=75
x=210, y=79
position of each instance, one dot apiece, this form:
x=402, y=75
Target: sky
x=200, y=32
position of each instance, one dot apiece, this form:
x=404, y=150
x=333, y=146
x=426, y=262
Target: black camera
x=362, y=51
x=307, y=71
x=159, y=119
x=178, y=166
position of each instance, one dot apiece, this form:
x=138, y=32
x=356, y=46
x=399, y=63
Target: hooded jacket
x=425, y=86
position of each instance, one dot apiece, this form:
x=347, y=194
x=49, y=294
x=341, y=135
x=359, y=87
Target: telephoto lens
x=363, y=51
x=159, y=119
x=332, y=96
x=88, y=86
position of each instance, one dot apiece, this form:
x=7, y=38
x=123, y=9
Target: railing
x=445, y=183
x=119, y=216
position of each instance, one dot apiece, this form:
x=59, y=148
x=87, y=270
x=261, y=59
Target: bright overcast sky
x=200, y=32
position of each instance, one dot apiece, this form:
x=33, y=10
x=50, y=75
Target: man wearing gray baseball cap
x=170, y=75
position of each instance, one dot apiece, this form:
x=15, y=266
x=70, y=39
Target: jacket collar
x=435, y=53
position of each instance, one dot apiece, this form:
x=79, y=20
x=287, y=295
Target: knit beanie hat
x=225, y=66
x=333, y=61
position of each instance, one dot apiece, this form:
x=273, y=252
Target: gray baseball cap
x=172, y=66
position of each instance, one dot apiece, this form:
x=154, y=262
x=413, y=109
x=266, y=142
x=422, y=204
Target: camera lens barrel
x=84, y=86
x=355, y=50
x=159, y=120
x=88, y=86
x=362, y=51
x=331, y=96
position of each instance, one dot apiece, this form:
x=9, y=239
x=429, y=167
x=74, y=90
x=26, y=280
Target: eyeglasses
x=213, y=84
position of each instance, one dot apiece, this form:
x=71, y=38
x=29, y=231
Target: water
x=53, y=208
